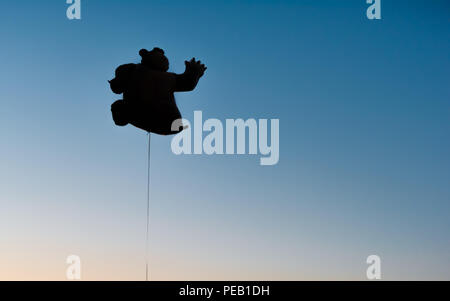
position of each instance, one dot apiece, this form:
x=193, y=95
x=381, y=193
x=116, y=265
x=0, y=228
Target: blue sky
x=364, y=141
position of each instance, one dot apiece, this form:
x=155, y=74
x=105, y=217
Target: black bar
x=221, y=290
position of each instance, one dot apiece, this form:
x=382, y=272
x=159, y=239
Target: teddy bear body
x=148, y=92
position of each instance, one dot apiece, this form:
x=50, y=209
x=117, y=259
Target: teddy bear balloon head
x=154, y=59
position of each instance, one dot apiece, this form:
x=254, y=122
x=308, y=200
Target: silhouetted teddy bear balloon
x=148, y=101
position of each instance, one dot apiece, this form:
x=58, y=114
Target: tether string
x=148, y=210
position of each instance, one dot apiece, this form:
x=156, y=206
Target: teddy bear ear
x=143, y=52
x=158, y=50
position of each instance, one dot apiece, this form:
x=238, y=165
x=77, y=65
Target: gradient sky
x=364, y=142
